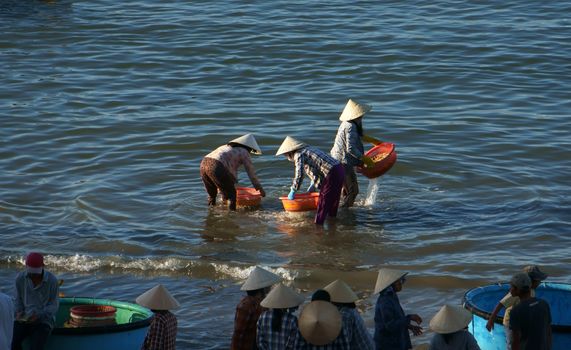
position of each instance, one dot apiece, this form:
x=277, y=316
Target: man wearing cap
x=36, y=303
x=530, y=319
x=450, y=324
x=391, y=323
x=219, y=169
x=509, y=301
x=326, y=174
x=162, y=331
x=277, y=326
x=6, y=321
x=348, y=148
x=249, y=309
x=353, y=330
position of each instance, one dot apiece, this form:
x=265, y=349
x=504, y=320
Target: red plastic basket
x=248, y=197
x=384, y=157
x=301, y=202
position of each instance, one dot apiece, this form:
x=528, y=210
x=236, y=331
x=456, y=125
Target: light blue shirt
x=41, y=300
x=6, y=321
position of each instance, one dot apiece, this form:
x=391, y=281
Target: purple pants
x=329, y=194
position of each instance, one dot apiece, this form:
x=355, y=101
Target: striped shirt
x=162, y=332
x=348, y=148
x=268, y=339
x=41, y=300
x=315, y=163
x=232, y=158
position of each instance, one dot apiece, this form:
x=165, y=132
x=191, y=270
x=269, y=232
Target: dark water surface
x=107, y=108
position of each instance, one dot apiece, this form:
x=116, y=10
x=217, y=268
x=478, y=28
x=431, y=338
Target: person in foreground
x=530, y=319
x=6, y=321
x=162, y=331
x=320, y=325
x=391, y=323
x=249, y=309
x=348, y=148
x=326, y=174
x=36, y=304
x=354, y=330
x=509, y=301
x=219, y=169
x=277, y=326
x=450, y=325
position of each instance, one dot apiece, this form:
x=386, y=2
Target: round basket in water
x=301, y=202
x=248, y=197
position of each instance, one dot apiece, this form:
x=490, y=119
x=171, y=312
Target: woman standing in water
x=348, y=148
x=219, y=169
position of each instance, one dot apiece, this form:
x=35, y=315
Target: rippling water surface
x=107, y=108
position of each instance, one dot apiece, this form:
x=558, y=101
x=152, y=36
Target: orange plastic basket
x=301, y=202
x=384, y=156
x=248, y=197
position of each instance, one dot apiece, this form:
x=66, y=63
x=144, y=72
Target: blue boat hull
x=482, y=300
x=132, y=323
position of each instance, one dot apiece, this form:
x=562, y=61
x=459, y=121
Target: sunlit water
x=107, y=108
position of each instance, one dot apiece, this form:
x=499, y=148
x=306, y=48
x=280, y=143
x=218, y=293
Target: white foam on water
x=372, y=191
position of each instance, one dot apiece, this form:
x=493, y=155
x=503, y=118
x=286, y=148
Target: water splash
x=372, y=191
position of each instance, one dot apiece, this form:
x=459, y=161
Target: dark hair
x=448, y=336
x=321, y=294
x=233, y=144
x=254, y=292
x=349, y=305
x=277, y=316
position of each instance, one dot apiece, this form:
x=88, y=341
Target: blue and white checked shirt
x=348, y=147
x=268, y=339
x=315, y=163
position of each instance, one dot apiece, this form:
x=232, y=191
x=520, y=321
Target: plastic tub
x=248, y=197
x=301, y=202
x=384, y=156
x=91, y=315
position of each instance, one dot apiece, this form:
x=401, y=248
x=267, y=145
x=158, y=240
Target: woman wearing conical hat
x=354, y=329
x=348, y=148
x=391, y=323
x=450, y=325
x=162, y=331
x=277, y=326
x=325, y=173
x=249, y=309
x=219, y=169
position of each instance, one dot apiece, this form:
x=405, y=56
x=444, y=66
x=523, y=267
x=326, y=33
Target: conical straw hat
x=340, y=292
x=353, y=110
x=387, y=277
x=450, y=319
x=290, y=144
x=260, y=278
x=248, y=140
x=320, y=322
x=157, y=298
x=281, y=297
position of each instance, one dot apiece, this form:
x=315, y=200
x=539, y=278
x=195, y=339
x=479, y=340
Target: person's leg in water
x=207, y=174
x=350, y=187
x=330, y=194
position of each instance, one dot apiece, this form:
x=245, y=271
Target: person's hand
x=262, y=192
x=416, y=330
x=415, y=318
x=311, y=187
x=291, y=194
x=367, y=161
x=33, y=318
x=19, y=315
x=371, y=139
x=490, y=324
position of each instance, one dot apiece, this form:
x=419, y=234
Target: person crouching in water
x=348, y=148
x=162, y=331
x=277, y=326
x=450, y=325
x=249, y=309
x=326, y=174
x=219, y=169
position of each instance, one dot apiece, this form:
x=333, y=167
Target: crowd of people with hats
x=332, y=174
x=272, y=316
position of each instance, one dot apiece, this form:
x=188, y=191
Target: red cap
x=34, y=262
